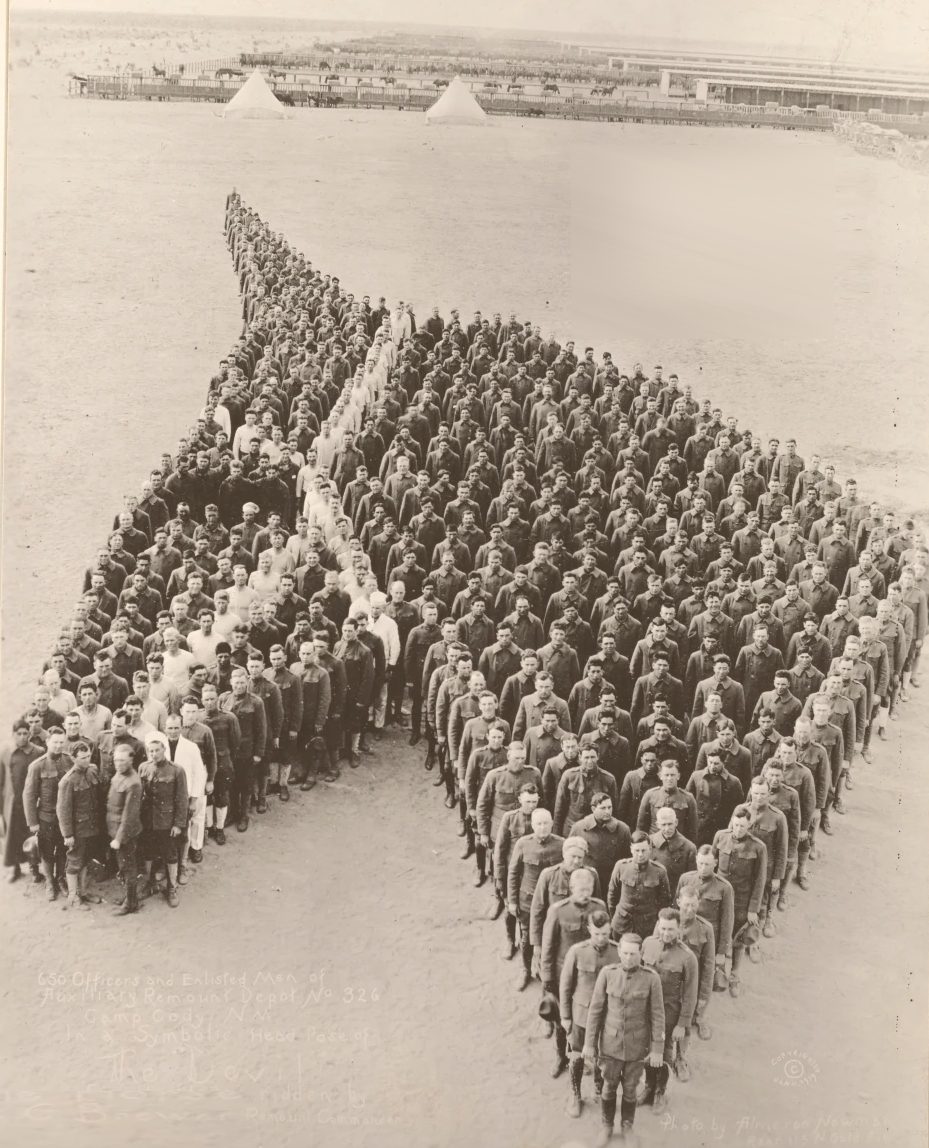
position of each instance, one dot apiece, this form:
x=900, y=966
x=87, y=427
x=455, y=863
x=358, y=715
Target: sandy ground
x=779, y=273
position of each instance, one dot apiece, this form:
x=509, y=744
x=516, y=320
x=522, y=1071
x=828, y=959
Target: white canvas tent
x=456, y=105
x=255, y=101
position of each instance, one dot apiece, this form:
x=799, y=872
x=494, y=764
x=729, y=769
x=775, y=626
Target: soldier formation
x=644, y=650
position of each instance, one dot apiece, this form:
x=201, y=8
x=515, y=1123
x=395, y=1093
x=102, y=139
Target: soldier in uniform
x=78, y=809
x=40, y=797
x=249, y=710
x=498, y=795
x=806, y=769
x=420, y=639
x=515, y=824
x=264, y=688
x=291, y=691
x=743, y=861
x=359, y=687
x=635, y=784
x=315, y=687
x=124, y=825
x=769, y=825
x=625, y=1027
x=164, y=813
x=786, y=798
x=717, y=792
x=14, y=765
x=577, y=787
x=671, y=848
x=679, y=972
x=607, y=837
x=830, y=737
x=530, y=857
x=638, y=889
x=697, y=934
x=715, y=905
x=582, y=965
x=226, y=737
x=670, y=794
x=565, y=925
x=481, y=761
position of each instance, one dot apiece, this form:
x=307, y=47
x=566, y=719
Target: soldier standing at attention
x=530, y=856
x=40, y=797
x=715, y=905
x=582, y=965
x=565, y=926
x=697, y=934
x=164, y=813
x=515, y=824
x=625, y=1027
x=124, y=825
x=78, y=810
x=743, y=861
x=638, y=889
x=677, y=967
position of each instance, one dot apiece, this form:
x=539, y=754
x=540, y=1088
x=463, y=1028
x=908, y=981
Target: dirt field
x=330, y=979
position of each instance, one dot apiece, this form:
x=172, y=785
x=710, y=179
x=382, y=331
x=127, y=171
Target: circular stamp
x=795, y=1069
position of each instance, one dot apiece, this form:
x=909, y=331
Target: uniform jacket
x=565, y=926
x=717, y=905
x=582, y=965
x=625, y=1020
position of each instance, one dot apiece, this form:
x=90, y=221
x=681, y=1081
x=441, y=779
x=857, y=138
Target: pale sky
x=834, y=29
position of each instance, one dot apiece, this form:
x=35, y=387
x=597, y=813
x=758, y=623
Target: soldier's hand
x=485, y=840
x=566, y=1025
x=33, y=829
x=655, y=1060
x=175, y=832
x=678, y=1032
x=69, y=843
x=277, y=743
x=292, y=735
x=257, y=759
x=590, y=1061
x=511, y=908
x=536, y=964
x=775, y=884
x=209, y=787
x=720, y=960
x=752, y=918
x=114, y=844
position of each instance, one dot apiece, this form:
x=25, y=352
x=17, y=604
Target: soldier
x=668, y=793
x=530, y=857
x=831, y=738
x=814, y=756
x=625, y=1027
x=769, y=825
x=186, y=753
x=515, y=824
x=164, y=814
x=14, y=765
x=786, y=798
x=313, y=708
x=697, y=934
x=715, y=906
x=679, y=972
x=670, y=848
x=566, y=925
x=743, y=861
x=359, y=687
x=124, y=826
x=582, y=965
x=332, y=730
x=638, y=889
x=480, y=762
x=226, y=737
x=717, y=792
x=455, y=684
x=498, y=795
x=553, y=885
x=78, y=810
x=420, y=639
x=291, y=692
x=249, y=710
x=607, y=837
x=264, y=688
x=40, y=797
x=635, y=784
x=576, y=789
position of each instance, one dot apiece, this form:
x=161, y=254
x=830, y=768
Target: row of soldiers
x=643, y=651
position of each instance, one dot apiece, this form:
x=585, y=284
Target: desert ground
x=329, y=977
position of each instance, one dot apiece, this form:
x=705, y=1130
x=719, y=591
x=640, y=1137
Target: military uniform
x=249, y=710
x=635, y=895
x=40, y=799
x=529, y=858
x=676, y=853
x=683, y=804
x=579, y=972
x=625, y=1023
x=575, y=790
x=744, y=864
x=124, y=825
x=164, y=807
x=716, y=905
x=607, y=842
x=679, y=971
x=78, y=809
x=716, y=796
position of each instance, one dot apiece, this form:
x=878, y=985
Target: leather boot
x=430, y=755
x=607, y=1119
x=825, y=824
x=525, y=977
x=468, y=834
x=627, y=1116
x=574, y=1099
x=283, y=790
x=782, y=901
x=261, y=805
x=802, y=880
x=480, y=856
x=510, y=948
x=561, y=1050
